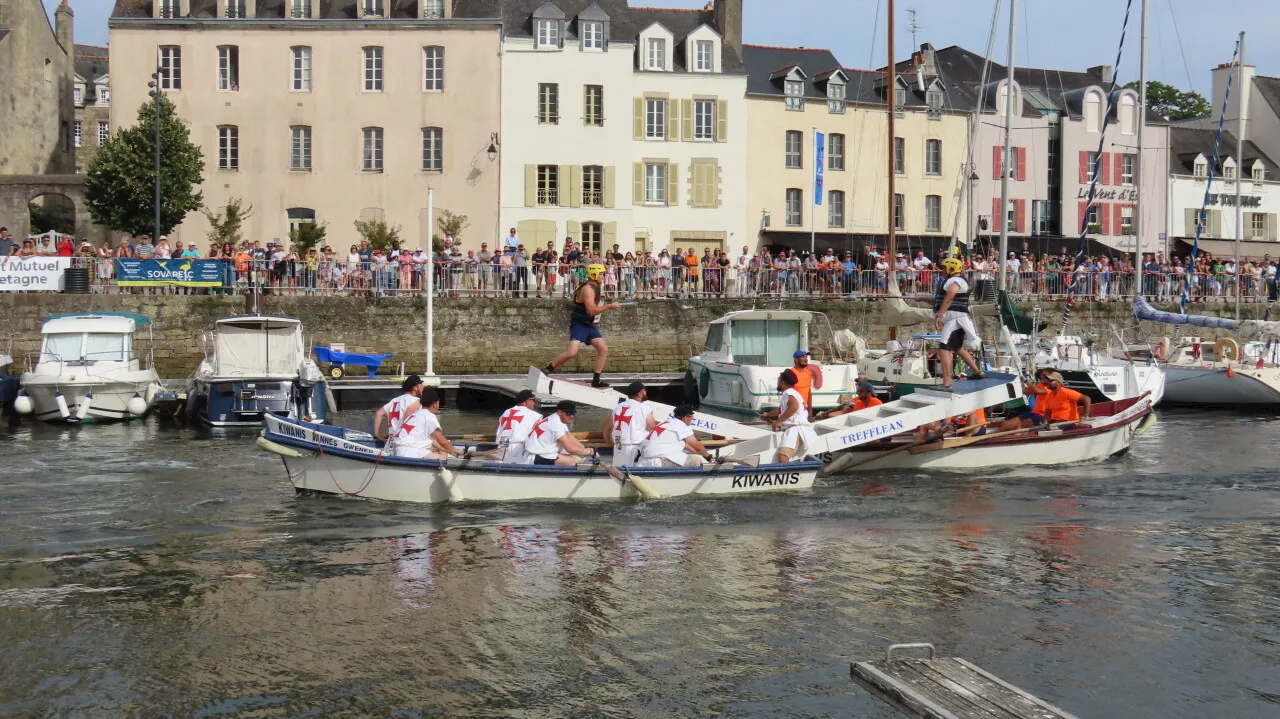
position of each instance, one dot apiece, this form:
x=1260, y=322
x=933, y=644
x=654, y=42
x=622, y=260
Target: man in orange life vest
x=1055, y=402
x=808, y=377
x=865, y=398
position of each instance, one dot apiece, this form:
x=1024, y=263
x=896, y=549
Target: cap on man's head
x=634, y=389
x=1055, y=377
x=866, y=387
x=800, y=353
x=568, y=407
x=524, y=395
x=410, y=382
x=682, y=411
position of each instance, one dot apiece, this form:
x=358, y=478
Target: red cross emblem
x=406, y=428
x=394, y=414
x=509, y=419
x=657, y=431
x=537, y=428
x=621, y=417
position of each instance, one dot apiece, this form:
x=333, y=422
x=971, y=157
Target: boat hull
x=107, y=401
x=750, y=389
x=244, y=402
x=1212, y=387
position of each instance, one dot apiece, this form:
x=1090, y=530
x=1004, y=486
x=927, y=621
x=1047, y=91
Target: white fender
x=23, y=404
x=62, y=405
x=137, y=406
x=152, y=390
x=83, y=410
x=280, y=449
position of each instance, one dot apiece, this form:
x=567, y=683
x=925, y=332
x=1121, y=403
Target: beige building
x=91, y=96
x=794, y=93
x=323, y=111
x=36, y=76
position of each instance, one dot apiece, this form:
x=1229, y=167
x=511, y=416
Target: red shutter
x=996, y=164
x=1021, y=207
x=1106, y=169
x=1022, y=164
x=1119, y=171
x=1084, y=167
x=1082, y=224
x=1104, y=215
x=1119, y=221
x=996, y=215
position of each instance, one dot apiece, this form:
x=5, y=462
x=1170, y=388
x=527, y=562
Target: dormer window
x=704, y=53
x=656, y=54
x=300, y=9
x=1229, y=171
x=1259, y=172
x=933, y=99
x=548, y=33
x=835, y=97
x=375, y=8
x=794, y=90
x=77, y=95
x=1201, y=169
x=433, y=9
x=900, y=97
x=592, y=34
x=170, y=8
x=104, y=99
x=1093, y=112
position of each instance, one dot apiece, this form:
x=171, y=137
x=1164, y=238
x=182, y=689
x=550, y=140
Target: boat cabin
x=758, y=338
x=89, y=340
x=254, y=346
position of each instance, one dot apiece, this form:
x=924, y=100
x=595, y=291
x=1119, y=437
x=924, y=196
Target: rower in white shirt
x=672, y=443
x=551, y=442
x=420, y=435
x=515, y=425
x=398, y=409
x=629, y=423
x=792, y=419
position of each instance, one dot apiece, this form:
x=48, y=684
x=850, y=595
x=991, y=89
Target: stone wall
x=472, y=336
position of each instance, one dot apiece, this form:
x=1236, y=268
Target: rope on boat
x=367, y=480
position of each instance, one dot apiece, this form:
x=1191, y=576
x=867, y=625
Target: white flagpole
x=431, y=272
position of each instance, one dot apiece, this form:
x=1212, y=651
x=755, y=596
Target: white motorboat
x=87, y=370
x=1101, y=377
x=1113, y=428
x=737, y=370
x=257, y=365
x=333, y=460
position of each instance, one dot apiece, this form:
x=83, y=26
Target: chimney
x=1220, y=75
x=727, y=16
x=1106, y=72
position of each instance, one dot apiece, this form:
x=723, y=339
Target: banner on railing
x=32, y=274
x=154, y=273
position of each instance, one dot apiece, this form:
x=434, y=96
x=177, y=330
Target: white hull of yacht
x=88, y=399
x=1211, y=386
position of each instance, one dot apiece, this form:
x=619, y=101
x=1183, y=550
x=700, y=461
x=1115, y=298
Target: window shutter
x=1271, y=226
x=1022, y=165
x=673, y=184
x=686, y=114
x=560, y=33
x=1020, y=208
x=1104, y=215
x=610, y=179
x=637, y=124
x=722, y=120
x=1084, y=167
x=695, y=184
x=573, y=229
x=996, y=215
x=562, y=185
x=715, y=187
x=673, y=120
x=1084, y=217
x=1215, y=223
x=997, y=154
x=1118, y=172
x=637, y=183
x=530, y=185
x=1190, y=217
x=1118, y=222
x=575, y=186
x=1106, y=168
x=610, y=235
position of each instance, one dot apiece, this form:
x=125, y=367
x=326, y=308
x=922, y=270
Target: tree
x=453, y=225
x=1172, y=103
x=379, y=234
x=225, y=227
x=120, y=186
x=306, y=235
x=57, y=214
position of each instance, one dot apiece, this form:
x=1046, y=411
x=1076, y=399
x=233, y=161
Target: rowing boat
x=333, y=460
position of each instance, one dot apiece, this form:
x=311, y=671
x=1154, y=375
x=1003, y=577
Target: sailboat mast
x=890, y=93
x=1240, y=109
x=1005, y=164
x=1140, y=161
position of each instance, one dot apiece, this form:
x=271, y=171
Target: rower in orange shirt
x=1054, y=403
x=809, y=376
x=865, y=398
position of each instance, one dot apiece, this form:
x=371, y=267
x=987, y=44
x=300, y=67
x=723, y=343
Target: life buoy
x=1226, y=346
x=1163, y=346
x=704, y=382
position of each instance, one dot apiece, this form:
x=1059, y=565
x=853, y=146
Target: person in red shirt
x=66, y=247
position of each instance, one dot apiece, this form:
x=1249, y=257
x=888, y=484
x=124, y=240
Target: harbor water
x=152, y=570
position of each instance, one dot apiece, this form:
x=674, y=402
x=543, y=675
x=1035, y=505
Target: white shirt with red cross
x=515, y=424
x=544, y=437
x=666, y=440
x=630, y=423
x=395, y=410
x=414, y=437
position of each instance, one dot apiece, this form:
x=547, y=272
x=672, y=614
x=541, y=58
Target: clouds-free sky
x=1071, y=35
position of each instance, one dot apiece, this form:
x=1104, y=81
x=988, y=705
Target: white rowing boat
x=333, y=460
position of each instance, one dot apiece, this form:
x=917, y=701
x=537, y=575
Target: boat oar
x=451, y=483
x=638, y=483
x=849, y=460
x=752, y=461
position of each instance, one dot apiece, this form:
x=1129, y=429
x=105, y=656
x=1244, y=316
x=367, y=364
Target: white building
x=623, y=125
x=1192, y=150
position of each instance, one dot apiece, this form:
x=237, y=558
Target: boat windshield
x=100, y=347
x=66, y=347
x=767, y=343
x=82, y=348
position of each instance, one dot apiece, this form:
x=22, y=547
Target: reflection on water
x=146, y=569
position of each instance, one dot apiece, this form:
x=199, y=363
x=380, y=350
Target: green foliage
x=307, y=235
x=452, y=225
x=120, y=185
x=57, y=214
x=379, y=234
x=437, y=243
x=1170, y=102
x=226, y=227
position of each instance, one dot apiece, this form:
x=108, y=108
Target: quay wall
x=476, y=336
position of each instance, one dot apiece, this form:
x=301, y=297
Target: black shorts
x=538, y=459
x=955, y=341
x=1035, y=418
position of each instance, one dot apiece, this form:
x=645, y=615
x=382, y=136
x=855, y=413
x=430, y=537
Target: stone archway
x=17, y=190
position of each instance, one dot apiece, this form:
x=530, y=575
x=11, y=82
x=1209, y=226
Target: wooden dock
x=949, y=688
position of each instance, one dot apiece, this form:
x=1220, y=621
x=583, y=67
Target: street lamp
x=493, y=146
x=159, y=101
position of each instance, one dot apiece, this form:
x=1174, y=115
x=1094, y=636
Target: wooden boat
x=1109, y=433
x=334, y=460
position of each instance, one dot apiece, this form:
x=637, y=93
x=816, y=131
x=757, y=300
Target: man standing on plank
x=952, y=306
x=583, y=321
x=514, y=427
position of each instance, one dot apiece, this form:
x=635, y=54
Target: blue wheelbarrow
x=337, y=361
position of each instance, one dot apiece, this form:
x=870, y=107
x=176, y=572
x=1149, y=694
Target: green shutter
x=637, y=182
x=562, y=185
x=575, y=186
x=686, y=127
x=722, y=120
x=673, y=184
x=673, y=120
x=610, y=235
x=637, y=125
x=530, y=185
x=610, y=179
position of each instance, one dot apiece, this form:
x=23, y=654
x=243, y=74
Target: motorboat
x=9, y=382
x=255, y=366
x=335, y=460
x=1109, y=433
x=87, y=370
x=1097, y=375
x=745, y=351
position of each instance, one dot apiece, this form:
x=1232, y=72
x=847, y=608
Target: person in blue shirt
x=848, y=281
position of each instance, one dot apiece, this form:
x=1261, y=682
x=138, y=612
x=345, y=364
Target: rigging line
x=857, y=156
x=966, y=185
x=1190, y=86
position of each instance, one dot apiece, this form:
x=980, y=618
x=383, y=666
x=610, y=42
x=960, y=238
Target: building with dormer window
x=92, y=98
x=622, y=126
x=1192, y=151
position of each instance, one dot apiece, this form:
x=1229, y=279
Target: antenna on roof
x=913, y=26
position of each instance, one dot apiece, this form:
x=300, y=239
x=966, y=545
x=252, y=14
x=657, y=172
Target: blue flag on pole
x=819, y=163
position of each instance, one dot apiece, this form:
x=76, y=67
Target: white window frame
x=170, y=68
x=704, y=62
x=104, y=97
x=899, y=155
x=228, y=68
x=548, y=103
x=933, y=156
x=170, y=9
x=300, y=148
x=235, y=9
x=933, y=213
x=546, y=33
x=1201, y=170
x=592, y=35
x=655, y=118
x=77, y=134
x=794, y=210
x=836, y=94
x=375, y=8
x=655, y=54
x=1011, y=215
x=300, y=9
x=104, y=132
x=655, y=183
x=793, y=149
x=1257, y=226
x=1127, y=223
x=590, y=118
x=373, y=78
x=372, y=147
x=433, y=9
x=835, y=208
x=704, y=120
x=794, y=91
x=433, y=68
x=228, y=148
x=836, y=149
x=1128, y=165
x=593, y=186
x=548, y=185
x=899, y=213
x=1092, y=168
x=1259, y=172
x=77, y=95
x=301, y=58
x=1228, y=171
x=432, y=149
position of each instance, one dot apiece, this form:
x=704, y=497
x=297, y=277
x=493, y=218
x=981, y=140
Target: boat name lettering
x=289, y=430
x=743, y=481
x=865, y=434
x=704, y=424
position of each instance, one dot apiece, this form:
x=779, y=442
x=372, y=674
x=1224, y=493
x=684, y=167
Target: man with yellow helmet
x=583, y=319
x=952, y=305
